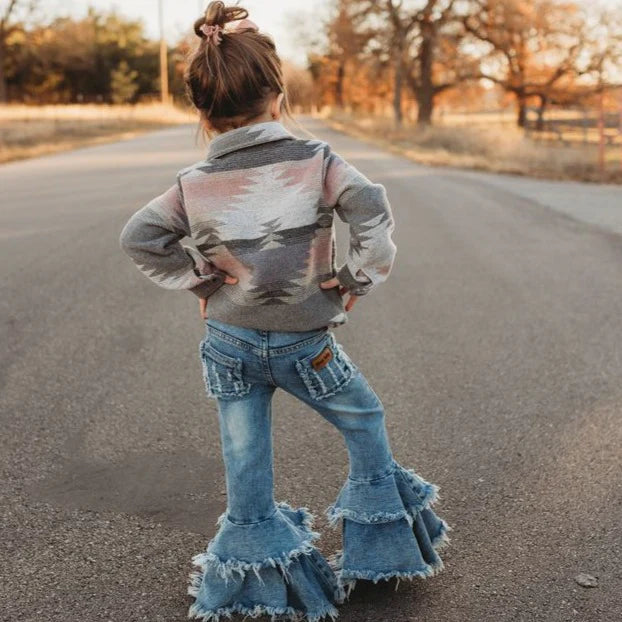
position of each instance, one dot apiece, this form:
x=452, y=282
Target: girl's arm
x=365, y=207
x=151, y=238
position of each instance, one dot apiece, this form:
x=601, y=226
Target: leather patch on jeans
x=322, y=359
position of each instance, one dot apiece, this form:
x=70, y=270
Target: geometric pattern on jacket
x=260, y=207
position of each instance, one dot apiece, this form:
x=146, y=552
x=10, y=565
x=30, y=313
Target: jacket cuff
x=211, y=282
x=354, y=286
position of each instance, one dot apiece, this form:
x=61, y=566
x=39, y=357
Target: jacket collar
x=246, y=136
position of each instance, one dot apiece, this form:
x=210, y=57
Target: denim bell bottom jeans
x=263, y=559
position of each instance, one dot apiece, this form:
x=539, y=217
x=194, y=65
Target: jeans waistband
x=258, y=341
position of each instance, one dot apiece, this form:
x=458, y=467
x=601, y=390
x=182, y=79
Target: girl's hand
x=229, y=280
x=334, y=282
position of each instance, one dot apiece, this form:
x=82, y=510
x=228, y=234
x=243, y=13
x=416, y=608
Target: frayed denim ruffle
x=266, y=568
x=389, y=528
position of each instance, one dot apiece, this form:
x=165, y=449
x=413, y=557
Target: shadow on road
x=183, y=491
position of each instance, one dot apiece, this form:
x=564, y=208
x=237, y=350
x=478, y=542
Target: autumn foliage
x=411, y=55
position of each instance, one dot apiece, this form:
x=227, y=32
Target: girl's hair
x=230, y=77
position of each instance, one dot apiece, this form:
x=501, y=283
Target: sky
x=272, y=16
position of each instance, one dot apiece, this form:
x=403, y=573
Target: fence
x=572, y=126
x=587, y=126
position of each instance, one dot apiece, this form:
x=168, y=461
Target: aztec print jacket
x=260, y=207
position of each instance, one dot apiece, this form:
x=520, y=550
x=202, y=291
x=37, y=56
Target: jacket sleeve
x=365, y=207
x=152, y=237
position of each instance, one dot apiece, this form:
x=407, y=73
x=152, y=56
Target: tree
x=424, y=38
x=394, y=33
x=437, y=61
x=299, y=84
x=532, y=47
x=8, y=26
x=605, y=49
x=342, y=65
x=123, y=85
x=75, y=60
x=346, y=41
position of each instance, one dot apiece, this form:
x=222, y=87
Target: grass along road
x=485, y=142
x=30, y=131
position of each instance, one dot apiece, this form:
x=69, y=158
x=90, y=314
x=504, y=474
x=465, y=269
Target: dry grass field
x=27, y=131
x=486, y=141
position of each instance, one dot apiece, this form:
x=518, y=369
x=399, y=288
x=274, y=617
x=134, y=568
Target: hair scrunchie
x=213, y=32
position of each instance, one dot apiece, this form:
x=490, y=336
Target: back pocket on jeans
x=327, y=370
x=223, y=374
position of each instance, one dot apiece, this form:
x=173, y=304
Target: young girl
x=260, y=207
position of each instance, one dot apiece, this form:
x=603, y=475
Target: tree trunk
x=3, y=89
x=541, y=110
x=425, y=93
x=521, y=118
x=397, y=91
x=341, y=72
x=425, y=101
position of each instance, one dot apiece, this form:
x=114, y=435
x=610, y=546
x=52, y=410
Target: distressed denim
x=263, y=559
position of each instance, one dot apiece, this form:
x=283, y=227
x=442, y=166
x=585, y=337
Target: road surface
x=496, y=347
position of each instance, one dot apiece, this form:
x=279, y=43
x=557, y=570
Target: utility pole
x=163, y=57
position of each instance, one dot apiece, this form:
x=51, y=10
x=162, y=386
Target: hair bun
x=217, y=14
x=226, y=92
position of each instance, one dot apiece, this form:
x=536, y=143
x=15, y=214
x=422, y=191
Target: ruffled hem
x=265, y=568
x=389, y=529
x=288, y=613
x=401, y=493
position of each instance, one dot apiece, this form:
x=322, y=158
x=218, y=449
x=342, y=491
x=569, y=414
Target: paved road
x=496, y=347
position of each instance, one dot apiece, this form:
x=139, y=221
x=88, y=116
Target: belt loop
x=264, y=341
